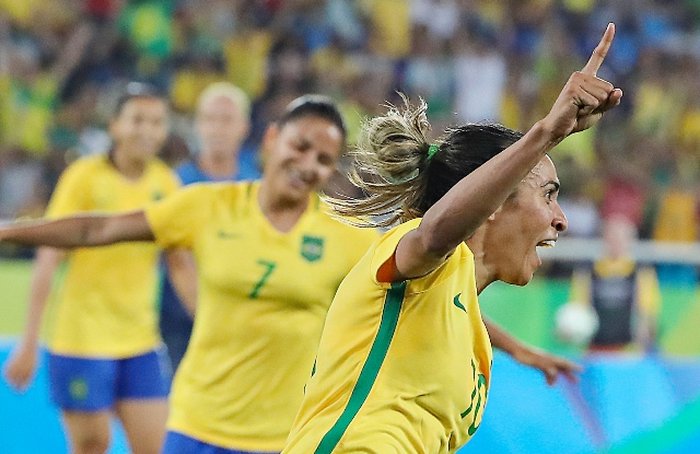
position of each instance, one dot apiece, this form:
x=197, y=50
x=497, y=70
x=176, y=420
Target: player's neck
x=482, y=274
x=132, y=168
x=218, y=166
x=282, y=213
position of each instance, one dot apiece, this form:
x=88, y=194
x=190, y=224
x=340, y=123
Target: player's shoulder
x=86, y=168
x=89, y=162
x=226, y=191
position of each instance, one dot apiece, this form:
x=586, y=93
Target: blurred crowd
x=64, y=62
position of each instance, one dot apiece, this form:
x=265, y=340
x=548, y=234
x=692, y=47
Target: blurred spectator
x=57, y=80
x=428, y=72
x=31, y=81
x=479, y=74
x=19, y=178
x=625, y=295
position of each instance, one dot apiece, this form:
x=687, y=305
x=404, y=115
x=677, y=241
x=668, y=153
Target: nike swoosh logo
x=458, y=304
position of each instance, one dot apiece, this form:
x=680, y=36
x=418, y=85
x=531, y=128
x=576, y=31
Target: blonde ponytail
x=389, y=166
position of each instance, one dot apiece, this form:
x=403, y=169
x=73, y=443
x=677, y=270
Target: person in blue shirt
x=222, y=123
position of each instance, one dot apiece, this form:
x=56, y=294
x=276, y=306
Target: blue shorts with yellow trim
x=177, y=443
x=94, y=384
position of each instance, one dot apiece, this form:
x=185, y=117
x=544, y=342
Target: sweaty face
x=221, y=126
x=141, y=127
x=301, y=156
x=528, y=220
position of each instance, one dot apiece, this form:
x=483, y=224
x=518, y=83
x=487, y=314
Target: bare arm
x=551, y=366
x=456, y=216
x=80, y=231
x=182, y=271
x=21, y=366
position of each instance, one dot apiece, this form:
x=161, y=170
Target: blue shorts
x=177, y=443
x=92, y=384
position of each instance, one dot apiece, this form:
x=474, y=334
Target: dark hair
x=135, y=90
x=464, y=149
x=314, y=106
x=392, y=165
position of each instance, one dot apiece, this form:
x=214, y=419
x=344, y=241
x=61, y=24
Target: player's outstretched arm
x=21, y=365
x=550, y=365
x=79, y=231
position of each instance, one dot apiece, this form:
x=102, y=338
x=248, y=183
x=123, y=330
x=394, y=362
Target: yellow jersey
x=105, y=306
x=262, y=299
x=401, y=367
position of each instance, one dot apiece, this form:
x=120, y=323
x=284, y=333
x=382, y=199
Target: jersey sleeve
x=386, y=246
x=176, y=219
x=72, y=193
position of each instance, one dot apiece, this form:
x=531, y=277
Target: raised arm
x=20, y=368
x=80, y=231
x=456, y=216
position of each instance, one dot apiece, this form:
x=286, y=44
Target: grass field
x=14, y=288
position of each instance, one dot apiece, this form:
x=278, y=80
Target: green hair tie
x=432, y=149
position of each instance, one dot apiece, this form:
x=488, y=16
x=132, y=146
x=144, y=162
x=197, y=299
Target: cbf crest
x=311, y=247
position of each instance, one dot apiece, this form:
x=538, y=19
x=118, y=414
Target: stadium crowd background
x=62, y=62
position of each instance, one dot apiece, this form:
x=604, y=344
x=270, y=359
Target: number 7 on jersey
x=269, y=268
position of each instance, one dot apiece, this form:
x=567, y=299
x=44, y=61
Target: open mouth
x=547, y=243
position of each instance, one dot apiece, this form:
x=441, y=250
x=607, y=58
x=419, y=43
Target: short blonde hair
x=225, y=90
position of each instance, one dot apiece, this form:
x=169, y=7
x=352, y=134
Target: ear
x=270, y=137
x=268, y=143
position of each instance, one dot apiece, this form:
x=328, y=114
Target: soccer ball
x=576, y=323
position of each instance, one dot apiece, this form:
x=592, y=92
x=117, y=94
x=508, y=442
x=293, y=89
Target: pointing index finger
x=599, y=53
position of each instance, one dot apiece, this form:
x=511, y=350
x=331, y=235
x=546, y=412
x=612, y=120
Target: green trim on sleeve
x=370, y=370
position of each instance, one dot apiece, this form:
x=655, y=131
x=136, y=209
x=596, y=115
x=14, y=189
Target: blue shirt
x=190, y=173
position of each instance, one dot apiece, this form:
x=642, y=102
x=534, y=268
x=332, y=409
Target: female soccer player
x=404, y=359
x=103, y=347
x=269, y=259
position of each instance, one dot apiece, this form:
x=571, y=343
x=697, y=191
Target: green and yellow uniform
x=401, y=367
x=105, y=304
x=262, y=299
